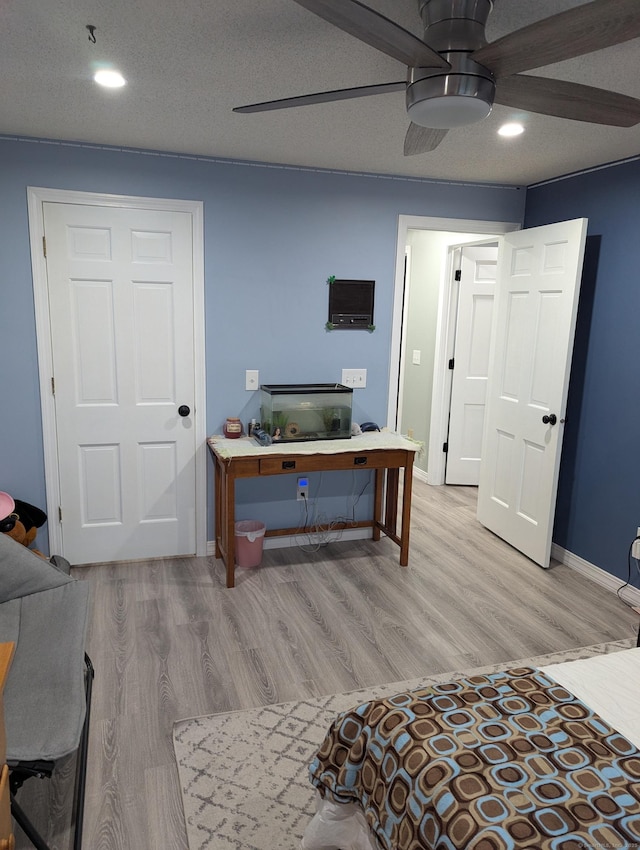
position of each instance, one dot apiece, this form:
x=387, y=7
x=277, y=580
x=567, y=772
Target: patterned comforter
x=497, y=762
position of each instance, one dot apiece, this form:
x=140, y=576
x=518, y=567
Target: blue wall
x=598, y=507
x=272, y=237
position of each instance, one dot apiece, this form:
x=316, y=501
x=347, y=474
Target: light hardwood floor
x=168, y=641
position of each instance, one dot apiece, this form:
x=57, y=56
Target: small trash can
x=249, y=538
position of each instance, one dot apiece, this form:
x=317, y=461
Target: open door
x=477, y=280
x=535, y=309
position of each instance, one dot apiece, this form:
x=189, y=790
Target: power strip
x=303, y=489
x=635, y=547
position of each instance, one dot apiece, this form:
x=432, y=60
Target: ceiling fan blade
x=422, y=139
x=322, y=97
x=377, y=31
x=568, y=100
x=583, y=29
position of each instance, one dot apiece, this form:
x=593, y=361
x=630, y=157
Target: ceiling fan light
x=445, y=101
x=109, y=78
x=510, y=130
x=446, y=113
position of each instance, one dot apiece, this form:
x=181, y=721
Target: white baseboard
x=597, y=574
x=289, y=540
x=420, y=474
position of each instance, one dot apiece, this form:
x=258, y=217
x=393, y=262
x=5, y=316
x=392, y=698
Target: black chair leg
x=26, y=826
x=83, y=754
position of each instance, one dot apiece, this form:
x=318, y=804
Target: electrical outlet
x=303, y=489
x=356, y=378
x=251, y=379
x=635, y=548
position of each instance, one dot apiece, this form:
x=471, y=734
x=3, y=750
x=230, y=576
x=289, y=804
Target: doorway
x=121, y=364
x=536, y=295
x=419, y=389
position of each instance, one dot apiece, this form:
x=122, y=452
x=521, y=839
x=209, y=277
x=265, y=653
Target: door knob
x=550, y=420
x=184, y=410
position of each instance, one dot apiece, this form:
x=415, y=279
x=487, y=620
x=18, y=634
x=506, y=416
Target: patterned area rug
x=245, y=774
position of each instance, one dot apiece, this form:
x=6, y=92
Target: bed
x=544, y=758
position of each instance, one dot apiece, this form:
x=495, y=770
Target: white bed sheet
x=609, y=684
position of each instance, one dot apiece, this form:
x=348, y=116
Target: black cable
x=345, y=520
x=628, y=581
x=358, y=497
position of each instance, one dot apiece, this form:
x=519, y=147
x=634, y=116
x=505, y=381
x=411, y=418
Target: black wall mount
x=351, y=304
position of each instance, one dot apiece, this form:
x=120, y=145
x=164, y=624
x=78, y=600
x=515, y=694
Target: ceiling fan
x=454, y=76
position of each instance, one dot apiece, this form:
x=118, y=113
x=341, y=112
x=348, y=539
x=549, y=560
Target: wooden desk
x=6, y=835
x=384, y=452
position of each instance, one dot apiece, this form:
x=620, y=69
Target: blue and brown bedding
x=495, y=762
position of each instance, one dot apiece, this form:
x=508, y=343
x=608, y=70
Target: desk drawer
x=342, y=460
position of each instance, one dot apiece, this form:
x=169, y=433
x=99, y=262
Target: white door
x=120, y=288
x=471, y=363
x=536, y=303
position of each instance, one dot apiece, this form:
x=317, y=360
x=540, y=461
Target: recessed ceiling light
x=511, y=130
x=109, y=79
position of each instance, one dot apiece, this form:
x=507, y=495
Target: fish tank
x=295, y=412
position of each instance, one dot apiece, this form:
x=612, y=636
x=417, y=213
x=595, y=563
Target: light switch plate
x=356, y=378
x=416, y=357
x=252, y=379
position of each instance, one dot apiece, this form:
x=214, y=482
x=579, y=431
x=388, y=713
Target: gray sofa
x=44, y=611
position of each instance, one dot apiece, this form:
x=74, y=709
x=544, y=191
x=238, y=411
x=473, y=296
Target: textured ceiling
x=189, y=62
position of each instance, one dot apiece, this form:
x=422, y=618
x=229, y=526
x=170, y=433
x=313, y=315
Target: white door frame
x=36, y=196
x=439, y=402
x=403, y=341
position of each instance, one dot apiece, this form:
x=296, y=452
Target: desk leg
x=407, y=483
x=230, y=527
x=377, y=503
x=218, y=512
x=391, y=500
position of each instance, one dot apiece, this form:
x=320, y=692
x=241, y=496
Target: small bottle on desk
x=232, y=427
